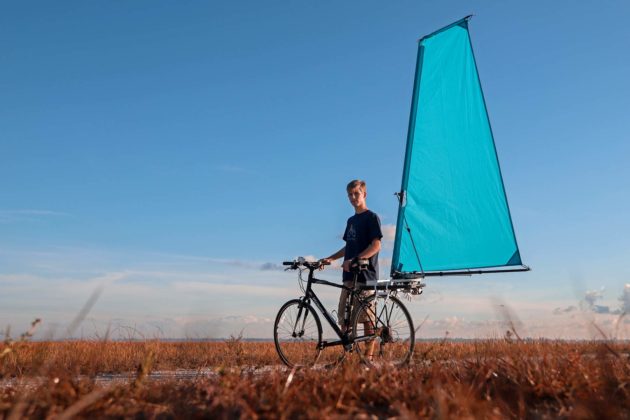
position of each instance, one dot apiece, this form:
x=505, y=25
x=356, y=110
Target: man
x=363, y=241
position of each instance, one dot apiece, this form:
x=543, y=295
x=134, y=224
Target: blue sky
x=168, y=151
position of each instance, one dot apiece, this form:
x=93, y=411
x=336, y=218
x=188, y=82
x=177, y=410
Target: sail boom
x=419, y=274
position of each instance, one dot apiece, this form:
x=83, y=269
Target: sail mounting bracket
x=401, y=195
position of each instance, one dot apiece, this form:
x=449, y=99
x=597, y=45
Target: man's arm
x=334, y=256
x=372, y=249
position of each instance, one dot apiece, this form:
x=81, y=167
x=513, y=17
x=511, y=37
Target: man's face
x=357, y=197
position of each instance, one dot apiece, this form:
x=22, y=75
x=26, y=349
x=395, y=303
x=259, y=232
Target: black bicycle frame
x=309, y=295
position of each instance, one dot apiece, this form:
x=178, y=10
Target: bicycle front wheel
x=297, y=334
x=384, y=333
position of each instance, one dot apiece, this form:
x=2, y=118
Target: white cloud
x=196, y=296
x=389, y=232
x=187, y=306
x=231, y=289
x=269, y=266
x=560, y=311
x=591, y=296
x=26, y=215
x=567, y=327
x=133, y=295
x=31, y=212
x=589, y=303
x=160, y=327
x=253, y=265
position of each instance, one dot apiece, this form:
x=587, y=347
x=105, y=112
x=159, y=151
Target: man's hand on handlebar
x=356, y=264
x=324, y=262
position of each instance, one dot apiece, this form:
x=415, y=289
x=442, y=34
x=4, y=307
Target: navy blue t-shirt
x=361, y=230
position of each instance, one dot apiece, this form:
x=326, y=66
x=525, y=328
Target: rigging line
x=413, y=244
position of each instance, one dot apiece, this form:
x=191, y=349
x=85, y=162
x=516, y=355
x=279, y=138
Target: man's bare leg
x=368, y=328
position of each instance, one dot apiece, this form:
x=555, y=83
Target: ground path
x=155, y=376
x=123, y=378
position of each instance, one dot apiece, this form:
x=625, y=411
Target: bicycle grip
x=288, y=263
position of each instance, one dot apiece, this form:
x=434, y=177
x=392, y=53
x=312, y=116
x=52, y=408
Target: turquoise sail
x=453, y=213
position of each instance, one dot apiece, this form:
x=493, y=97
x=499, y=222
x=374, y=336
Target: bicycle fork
x=299, y=320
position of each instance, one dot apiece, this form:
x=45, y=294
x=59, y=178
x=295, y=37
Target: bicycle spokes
x=297, y=334
x=384, y=332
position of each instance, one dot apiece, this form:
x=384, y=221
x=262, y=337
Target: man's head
x=357, y=192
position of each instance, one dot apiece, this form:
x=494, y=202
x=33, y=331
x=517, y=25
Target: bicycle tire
x=302, y=347
x=388, y=329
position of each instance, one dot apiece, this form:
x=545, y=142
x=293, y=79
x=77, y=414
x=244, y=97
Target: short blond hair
x=356, y=183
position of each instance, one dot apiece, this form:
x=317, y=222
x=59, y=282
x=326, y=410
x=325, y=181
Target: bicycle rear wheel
x=383, y=331
x=297, y=334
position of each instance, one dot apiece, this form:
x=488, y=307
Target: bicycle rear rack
x=412, y=286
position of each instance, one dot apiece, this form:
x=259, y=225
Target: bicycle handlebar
x=357, y=264
x=302, y=262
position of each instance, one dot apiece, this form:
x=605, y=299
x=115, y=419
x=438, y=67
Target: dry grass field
x=446, y=379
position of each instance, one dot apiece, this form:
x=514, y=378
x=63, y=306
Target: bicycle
x=377, y=327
